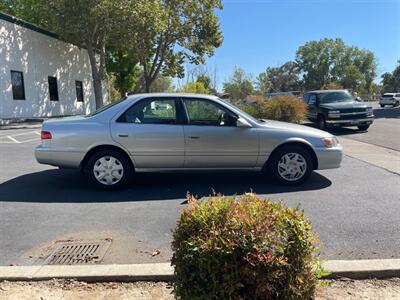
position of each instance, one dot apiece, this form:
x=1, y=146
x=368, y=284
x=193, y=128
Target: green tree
x=96, y=25
x=92, y=24
x=331, y=60
x=240, y=85
x=124, y=69
x=28, y=10
x=194, y=87
x=172, y=32
x=391, y=81
x=161, y=84
x=279, y=79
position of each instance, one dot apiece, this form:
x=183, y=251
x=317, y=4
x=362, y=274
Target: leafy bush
x=194, y=87
x=244, y=248
x=280, y=108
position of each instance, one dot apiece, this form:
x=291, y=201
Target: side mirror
x=243, y=123
x=359, y=99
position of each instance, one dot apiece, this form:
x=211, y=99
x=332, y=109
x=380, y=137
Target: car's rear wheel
x=382, y=105
x=291, y=165
x=108, y=169
x=363, y=127
x=397, y=104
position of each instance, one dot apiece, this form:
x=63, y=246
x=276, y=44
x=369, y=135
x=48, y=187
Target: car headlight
x=330, y=142
x=370, y=111
x=334, y=114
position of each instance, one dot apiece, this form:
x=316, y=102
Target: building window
x=53, y=89
x=79, y=90
x=17, y=82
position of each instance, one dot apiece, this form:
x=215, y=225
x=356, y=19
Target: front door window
x=203, y=112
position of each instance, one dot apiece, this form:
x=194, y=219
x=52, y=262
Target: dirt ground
x=71, y=290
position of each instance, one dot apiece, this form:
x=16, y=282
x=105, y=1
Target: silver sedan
x=181, y=132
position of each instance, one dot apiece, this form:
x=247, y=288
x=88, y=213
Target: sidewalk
x=375, y=155
x=72, y=290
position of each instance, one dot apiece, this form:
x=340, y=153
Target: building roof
x=22, y=23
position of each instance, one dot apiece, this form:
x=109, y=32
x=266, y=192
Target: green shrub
x=244, y=248
x=280, y=108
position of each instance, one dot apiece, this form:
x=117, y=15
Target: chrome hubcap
x=292, y=166
x=108, y=170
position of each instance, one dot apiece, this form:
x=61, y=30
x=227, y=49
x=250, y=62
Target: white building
x=41, y=75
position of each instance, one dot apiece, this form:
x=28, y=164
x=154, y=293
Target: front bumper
x=354, y=122
x=329, y=158
x=387, y=102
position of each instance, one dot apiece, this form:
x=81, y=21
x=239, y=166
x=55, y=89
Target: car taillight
x=45, y=135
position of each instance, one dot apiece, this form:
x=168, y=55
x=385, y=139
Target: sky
x=262, y=33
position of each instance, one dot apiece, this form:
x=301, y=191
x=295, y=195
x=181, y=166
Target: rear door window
x=151, y=111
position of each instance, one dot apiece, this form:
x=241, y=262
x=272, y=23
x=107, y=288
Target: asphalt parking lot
x=354, y=209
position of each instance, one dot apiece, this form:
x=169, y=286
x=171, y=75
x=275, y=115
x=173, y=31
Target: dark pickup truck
x=335, y=108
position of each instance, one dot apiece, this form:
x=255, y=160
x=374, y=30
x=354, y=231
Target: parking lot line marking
x=31, y=140
x=14, y=140
x=24, y=133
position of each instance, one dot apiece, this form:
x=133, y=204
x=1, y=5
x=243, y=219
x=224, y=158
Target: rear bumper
x=355, y=122
x=329, y=158
x=59, y=158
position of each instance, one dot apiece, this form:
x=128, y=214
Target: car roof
x=183, y=95
x=390, y=93
x=326, y=91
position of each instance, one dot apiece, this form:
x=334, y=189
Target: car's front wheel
x=108, y=169
x=291, y=165
x=321, y=122
x=363, y=127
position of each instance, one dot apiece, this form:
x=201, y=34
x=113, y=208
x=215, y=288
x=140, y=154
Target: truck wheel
x=321, y=122
x=291, y=165
x=109, y=169
x=363, y=127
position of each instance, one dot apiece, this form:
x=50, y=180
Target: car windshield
x=105, y=107
x=340, y=96
x=388, y=96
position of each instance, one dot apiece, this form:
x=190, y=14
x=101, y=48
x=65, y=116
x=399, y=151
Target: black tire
x=382, y=105
x=363, y=127
x=396, y=104
x=321, y=122
x=273, y=164
x=124, y=161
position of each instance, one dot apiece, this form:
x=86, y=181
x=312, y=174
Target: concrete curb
x=90, y=273
x=355, y=269
x=362, y=269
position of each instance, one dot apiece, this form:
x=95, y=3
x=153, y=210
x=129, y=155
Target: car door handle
x=122, y=134
x=193, y=137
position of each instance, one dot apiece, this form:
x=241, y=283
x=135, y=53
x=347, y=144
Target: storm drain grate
x=78, y=252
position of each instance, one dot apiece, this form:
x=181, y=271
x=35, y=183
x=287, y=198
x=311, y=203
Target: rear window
x=105, y=107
